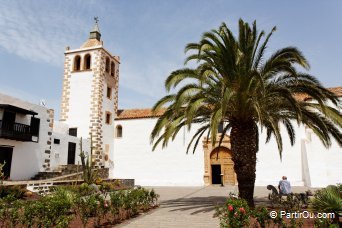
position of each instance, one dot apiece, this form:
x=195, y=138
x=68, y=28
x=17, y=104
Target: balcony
x=15, y=131
x=10, y=129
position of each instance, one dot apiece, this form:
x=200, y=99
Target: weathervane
x=96, y=19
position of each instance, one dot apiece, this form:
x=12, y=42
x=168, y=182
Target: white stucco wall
x=324, y=164
x=59, y=152
x=133, y=157
x=80, y=102
x=108, y=129
x=270, y=168
x=28, y=157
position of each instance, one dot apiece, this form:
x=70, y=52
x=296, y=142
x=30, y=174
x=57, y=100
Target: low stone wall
x=129, y=183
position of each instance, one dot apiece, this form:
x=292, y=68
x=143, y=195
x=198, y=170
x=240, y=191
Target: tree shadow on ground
x=202, y=204
x=197, y=204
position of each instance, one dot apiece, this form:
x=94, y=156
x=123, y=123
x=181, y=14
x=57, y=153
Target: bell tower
x=90, y=94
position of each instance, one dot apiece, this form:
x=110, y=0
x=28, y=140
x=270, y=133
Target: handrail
x=15, y=131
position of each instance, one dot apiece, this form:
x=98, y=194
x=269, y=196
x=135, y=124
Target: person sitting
x=284, y=186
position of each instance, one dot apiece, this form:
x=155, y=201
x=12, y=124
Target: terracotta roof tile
x=303, y=97
x=137, y=113
x=91, y=43
x=336, y=90
x=147, y=113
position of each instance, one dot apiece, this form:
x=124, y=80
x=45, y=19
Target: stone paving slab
x=190, y=206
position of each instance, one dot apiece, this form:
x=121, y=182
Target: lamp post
x=222, y=179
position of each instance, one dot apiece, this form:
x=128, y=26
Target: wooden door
x=71, y=153
x=229, y=174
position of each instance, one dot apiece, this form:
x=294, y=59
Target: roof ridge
x=140, y=113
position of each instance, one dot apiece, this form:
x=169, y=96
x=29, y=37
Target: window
x=108, y=118
x=56, y=141
x=87, y=62
x=112, y=69
x=106, y=157
x=77, y=63
x=107, y=65
x=73, y=131
x=118, y=131
x=109, y=93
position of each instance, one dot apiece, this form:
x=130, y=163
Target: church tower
x=90, y=94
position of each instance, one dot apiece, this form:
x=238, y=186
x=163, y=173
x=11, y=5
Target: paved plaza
x=191, y=206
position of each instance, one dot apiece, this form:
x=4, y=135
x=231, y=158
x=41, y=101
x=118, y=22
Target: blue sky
x=150, y=36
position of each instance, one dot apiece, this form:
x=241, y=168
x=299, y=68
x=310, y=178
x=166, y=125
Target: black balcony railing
x=15, y=131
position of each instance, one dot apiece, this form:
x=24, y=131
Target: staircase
x=62, y=170
x=67, y=172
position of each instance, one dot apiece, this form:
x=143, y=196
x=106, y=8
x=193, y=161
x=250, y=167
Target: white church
x=32, y=140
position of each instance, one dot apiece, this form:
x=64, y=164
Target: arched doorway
x=221, y=163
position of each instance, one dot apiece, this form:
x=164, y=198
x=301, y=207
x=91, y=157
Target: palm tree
x=236, y=85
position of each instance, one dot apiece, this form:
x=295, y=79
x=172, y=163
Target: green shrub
x=325, y=223
x=16, y=191
x=59, y=208
x=117, y=183
x=234, y=213
x=86, y=207
x=117, y=203
x=50, y=211
x=262, y=216
x=153, y=197
x=328, y=200
x=10, y=211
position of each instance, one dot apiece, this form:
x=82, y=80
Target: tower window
x=108, y=118
x=109, y=93
x=77, y=63
x=118, y=131
x=107, y=65
x=87, y=62
x=112, y=69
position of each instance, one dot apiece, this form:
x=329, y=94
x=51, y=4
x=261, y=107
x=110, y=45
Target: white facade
x=59, y=151
x=28, y=157
x=306, y=163
x=80, y=101
x=171, y=166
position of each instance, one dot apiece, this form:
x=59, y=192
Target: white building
x=307, y=163
x=121, y=138
x=31, y=141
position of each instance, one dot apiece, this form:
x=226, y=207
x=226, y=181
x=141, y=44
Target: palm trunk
x=244, y=145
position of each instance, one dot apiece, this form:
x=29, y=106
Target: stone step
x=45, y=175
x=68, y=173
